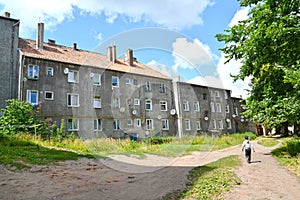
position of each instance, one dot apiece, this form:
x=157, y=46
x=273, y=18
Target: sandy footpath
x=123, y=177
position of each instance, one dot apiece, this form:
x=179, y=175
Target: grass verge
x=270, y=142
x=210, y=181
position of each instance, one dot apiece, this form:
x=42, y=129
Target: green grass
x=270, y=142
x=210, y=181
x=18, y=154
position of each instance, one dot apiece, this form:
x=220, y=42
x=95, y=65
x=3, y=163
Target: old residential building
x=100, y=95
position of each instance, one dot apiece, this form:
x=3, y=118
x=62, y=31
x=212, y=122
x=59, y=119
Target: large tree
x=268, y=45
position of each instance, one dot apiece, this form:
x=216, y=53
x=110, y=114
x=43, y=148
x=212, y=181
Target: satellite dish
x=122, y=109
x=158, y=117
x=206, y=118
x=66, y=70
x=227, y=120
x=134, y=112
x=173, y=112
x=92, y=75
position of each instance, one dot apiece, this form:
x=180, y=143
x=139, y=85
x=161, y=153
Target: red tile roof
x=65, y=54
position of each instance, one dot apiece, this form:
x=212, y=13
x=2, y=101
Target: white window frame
x=116, y=124
x=148, y=102
x=163, y=105
x=127, y=81
x=228, y=122
x=74, y=124
x=50, y=71
x=98, y=124
x=198, y=125
x=49, y=92
x=197, y=106
x=33, y=71
x=217, y=94
x=149, y=124
x=136, y=102
x=218, y=107
x=187, y=124
x=115, y=103
x=73, y=76
x=220, y=123
x=97, y=102
x=148, y=86
x=97, y=79
x=34, y=101
x=138, y=123
x=129, y=122
x=186, y=105
x=212, y=106
x=70, y=100
x=162, y=88
x=115, y=81
x=214, y=124
x=165, y=124
x=225, y=95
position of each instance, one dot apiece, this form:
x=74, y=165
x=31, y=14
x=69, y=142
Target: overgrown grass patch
x=270, y=142
x=210, y=181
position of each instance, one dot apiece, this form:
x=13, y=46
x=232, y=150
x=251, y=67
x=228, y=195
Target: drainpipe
x=176, y=90
x=21, y=79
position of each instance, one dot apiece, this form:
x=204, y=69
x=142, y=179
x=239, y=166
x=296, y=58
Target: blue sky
x=173, y=36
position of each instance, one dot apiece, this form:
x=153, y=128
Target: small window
x=33, y=72
x=97, y=102
x=115, y=81
x=220, y=122
x=73, y=124
x=115, y=103
x=217, y=94
x=127, y=81
x=228, y=122
x=136, y=102
x=97, y=79
x=165, y=124
x=225, y=95
x=212, y=106
x=129, y=122
x=162, y=88
x=148, y=104
x=149, y=124
x=214, y=124
x=187, y=124
x=204, y=96
x=218, y=107
x=138, y=123
x=198, y=125
x=73, y=100
x=97, y=124
x=163, y=105
x=73, y=77
x=135, y=82
x=196, y=106
x=148, y=86
x=186, y=105
x=116, y=124
x=49, y=95
x=50, y=71
x=32, y=97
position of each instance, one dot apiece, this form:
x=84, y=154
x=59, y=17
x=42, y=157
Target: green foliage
x=18, y=116
x=210, y=181
x=293, y=147
x=268, y=43
x=268, y=142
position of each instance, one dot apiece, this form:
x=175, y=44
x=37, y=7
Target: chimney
x=74, y=46
x=129, y=57
x=112, y=53
x=50, y=41
x=40, y=36
x=6, y=14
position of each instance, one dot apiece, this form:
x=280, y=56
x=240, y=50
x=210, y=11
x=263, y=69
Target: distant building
x=104, y=96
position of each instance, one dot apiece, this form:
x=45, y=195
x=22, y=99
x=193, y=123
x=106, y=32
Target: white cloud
x=193, y=55
x=176, y=14
x=239, y=16
x=98, y=36
x=161, y=68
x=210, y=81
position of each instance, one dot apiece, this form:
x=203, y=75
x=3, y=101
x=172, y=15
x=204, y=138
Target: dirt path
x=122, y=177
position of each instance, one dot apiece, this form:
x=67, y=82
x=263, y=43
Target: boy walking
x=247, y=146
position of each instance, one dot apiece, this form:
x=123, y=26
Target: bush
x=293, y=147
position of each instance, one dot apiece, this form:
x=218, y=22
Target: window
x=187, y=124
x=73, y=124
x=235, y=111
x=148, y=86
x=115, y=81
x=225, y=95
x=214, y=124
x=218, y=107
x=129, y=122
x=73, y=100
x=97, y=102
x=217, y=94
x=135, y=82
x=165, y=124
x=198, y=125
x=211, y=94
x=73, y=76
x=50, y=72
x=116, y=124
x=163, y=105
x=212, y=106
x=33, y=72
x=149, y=124
x=136, y=102
x=227, y=108
x=32, y=97
x=220, y=122
x=228, y=122
x=115, y=104
x=186, y=105
x=138, y=123
x=204, y=96
x=196, y=106
x=97, y=79
x=162, y=88
x=97, y=124
x=49, y=95
x=127, y=81
x=148, y=104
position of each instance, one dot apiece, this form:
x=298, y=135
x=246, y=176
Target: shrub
x=293, y=147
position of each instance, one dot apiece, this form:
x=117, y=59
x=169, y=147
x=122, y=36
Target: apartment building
x=100, y=95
